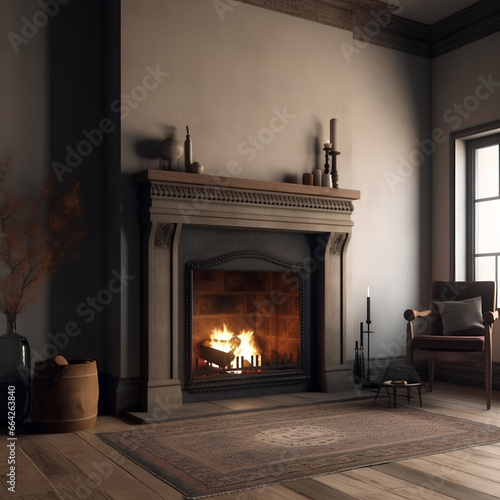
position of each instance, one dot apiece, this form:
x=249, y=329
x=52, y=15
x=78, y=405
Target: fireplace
x=243, y=287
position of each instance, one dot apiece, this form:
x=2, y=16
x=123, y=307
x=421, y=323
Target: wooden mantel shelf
x=247, y=184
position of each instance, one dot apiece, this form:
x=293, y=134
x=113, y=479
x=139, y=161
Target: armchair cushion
x=452, y=343
x=461, y=317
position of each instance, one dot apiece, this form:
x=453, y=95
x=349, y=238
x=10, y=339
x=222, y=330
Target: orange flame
x=242, y=345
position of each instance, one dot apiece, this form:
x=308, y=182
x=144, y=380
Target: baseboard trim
x=118, y=395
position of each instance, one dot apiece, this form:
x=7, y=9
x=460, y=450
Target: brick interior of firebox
x=265, y=302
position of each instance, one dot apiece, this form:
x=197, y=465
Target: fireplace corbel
x=170, y=201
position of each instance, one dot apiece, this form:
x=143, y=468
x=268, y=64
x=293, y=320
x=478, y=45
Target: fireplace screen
x=244, y=326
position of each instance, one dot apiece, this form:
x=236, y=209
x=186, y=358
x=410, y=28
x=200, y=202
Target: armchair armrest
x=411, y=314
x=489, y=317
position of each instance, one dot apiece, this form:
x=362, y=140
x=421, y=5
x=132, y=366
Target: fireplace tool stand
x=360, y=375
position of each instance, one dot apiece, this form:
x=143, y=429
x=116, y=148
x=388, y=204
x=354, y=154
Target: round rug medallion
x=306, y=435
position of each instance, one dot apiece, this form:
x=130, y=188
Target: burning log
x=219, y=358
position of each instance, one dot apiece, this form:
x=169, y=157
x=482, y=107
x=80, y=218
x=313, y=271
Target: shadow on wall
x=77, y=96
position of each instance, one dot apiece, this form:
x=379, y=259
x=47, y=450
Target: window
x=483, y=208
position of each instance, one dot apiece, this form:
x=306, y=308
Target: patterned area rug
x=222, y=454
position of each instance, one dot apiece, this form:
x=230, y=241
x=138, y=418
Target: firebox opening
x=245, y=322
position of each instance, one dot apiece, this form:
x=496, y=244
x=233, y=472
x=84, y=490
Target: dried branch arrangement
x=36, y=235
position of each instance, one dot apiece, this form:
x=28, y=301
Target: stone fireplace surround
x=173, y=201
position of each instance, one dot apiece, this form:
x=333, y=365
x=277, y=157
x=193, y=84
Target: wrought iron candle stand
x=366, y=378
x=334, y=173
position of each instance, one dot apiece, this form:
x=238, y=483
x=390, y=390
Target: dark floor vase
x=15, y=377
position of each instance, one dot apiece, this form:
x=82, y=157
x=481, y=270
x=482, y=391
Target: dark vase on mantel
x=15, y=373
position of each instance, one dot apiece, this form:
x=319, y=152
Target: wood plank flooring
x=80, y=466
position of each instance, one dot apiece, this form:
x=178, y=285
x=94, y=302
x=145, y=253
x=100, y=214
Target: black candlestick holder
x=366, y=382
x=334, y=173
x=327, y=165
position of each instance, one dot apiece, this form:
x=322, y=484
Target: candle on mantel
x=333, y=133
x=368, y=306
x=327, y=145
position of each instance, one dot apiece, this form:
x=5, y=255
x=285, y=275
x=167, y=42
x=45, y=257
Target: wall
x=391, y=244
x=53, y=85
x=456, y=77
x=24, y=133
x=229, y=79
x=81, y=292
x=236, y=73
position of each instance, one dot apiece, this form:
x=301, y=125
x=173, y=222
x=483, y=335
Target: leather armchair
x=461, y=317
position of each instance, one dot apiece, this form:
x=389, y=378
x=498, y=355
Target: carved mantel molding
x=164, y=234
x=198, y=194
x=222, y=201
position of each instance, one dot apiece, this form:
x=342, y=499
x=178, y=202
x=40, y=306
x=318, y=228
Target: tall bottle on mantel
x=188, y=151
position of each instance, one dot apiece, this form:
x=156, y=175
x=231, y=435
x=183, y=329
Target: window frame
x=472, y=146
x=459, y=265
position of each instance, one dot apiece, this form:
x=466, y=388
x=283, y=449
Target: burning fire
x=242, y=346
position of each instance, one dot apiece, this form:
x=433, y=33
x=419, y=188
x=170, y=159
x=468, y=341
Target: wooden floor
x=80, y=466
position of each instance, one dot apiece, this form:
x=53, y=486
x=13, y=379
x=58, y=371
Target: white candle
x=368, y=320
x=333, y=133
x=327, y=145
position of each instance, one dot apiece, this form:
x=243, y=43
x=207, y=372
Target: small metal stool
x=395, y=386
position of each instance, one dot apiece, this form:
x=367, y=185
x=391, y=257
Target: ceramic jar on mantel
x=15, y=375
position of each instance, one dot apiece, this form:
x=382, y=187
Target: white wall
x=391, y=240
x=226, y=78
x=456, y=77
x=227, y=75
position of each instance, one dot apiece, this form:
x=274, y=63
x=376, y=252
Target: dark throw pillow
x=461, y=317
